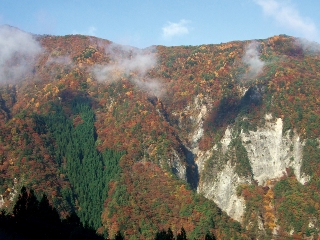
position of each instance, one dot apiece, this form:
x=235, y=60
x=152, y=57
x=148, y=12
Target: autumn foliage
x=129, y=140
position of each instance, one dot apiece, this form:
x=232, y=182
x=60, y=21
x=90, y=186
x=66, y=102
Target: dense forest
x=109, y=140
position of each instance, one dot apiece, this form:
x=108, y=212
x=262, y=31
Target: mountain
x=219, y=139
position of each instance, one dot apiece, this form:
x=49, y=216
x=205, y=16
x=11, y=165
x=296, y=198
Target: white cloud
x=288, y=16
x=308, y=45
x=251, y=58
x=18, y=51
x=131, y=63
x=175, y=29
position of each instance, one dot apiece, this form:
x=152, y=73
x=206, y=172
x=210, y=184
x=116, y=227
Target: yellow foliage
x=56, y=90
x=47, y=87
x=269, y=209
x=144, y=112
x=129, y=93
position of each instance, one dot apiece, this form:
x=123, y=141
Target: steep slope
x=138, y=131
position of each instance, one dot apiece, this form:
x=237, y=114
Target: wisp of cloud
x=175, y=29
x=131, y=63
x=251, y=58
x=18, y=51
x=288, y=16
x=307, y=45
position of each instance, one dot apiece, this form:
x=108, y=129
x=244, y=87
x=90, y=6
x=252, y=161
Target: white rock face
x=180, y=168
x=196, y=113
x=198, y=131
x=201, y=158
x=223, y=192
x=223, y=189
x=225, y=141
x=1, y=201
x=270, y=152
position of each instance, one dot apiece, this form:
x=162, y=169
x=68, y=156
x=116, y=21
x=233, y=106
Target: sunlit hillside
x=136, y=141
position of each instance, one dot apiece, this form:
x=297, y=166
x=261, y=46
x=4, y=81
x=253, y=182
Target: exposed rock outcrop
x=270, y=153
x=223, y=191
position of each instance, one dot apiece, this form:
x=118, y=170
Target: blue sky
x=166, y=22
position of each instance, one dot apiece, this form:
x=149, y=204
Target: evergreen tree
x=47, y=212
x=38, y=220
x=88, y=171
x=118, y=236
x=182, y=235
x=164, y=235
x=210, y=237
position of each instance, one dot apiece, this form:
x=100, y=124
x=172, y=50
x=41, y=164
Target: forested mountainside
x=220, y=140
